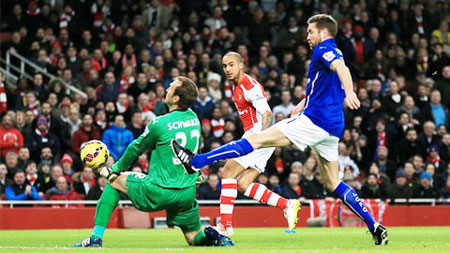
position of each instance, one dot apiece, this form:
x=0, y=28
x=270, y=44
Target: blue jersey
x=325, y=93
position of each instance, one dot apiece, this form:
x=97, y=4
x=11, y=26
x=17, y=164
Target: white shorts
x=256, y=159
x=303, y=132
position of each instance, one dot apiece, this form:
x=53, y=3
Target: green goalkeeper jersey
x=165, y=170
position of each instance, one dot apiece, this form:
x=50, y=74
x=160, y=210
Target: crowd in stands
x=124, y=54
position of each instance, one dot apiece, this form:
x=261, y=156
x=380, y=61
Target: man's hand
x=200, y=179
x=298, y=108
x=352, y=101
x=28, y=190
x=108, y=173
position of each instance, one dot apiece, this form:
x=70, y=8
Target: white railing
x=24, y=62
x=66, y=203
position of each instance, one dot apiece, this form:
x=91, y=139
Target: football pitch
x=401, y=239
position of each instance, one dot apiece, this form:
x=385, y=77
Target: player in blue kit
x=317, y=121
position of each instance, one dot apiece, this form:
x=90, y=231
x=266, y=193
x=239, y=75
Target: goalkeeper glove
x=109, y=174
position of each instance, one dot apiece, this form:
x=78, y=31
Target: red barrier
x=245, y=216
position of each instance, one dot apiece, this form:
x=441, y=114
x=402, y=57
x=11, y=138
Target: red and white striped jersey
x=251, y=103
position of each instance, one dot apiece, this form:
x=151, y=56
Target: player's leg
x=184, y=213
x=260, y=193
x=105, y=207
x=329, y=169
x=228, y=195
x=271, y=137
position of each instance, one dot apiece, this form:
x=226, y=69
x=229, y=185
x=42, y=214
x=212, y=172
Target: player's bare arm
x=298, y=108
x=266, y=120
x=343, y=72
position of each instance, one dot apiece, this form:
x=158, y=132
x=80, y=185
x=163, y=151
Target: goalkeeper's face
x=232, y=67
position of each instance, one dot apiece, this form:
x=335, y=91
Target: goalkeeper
x=167, y=186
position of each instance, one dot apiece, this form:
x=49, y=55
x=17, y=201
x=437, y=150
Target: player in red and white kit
x=239, y=173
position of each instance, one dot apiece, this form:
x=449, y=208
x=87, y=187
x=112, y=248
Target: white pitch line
x=31, y=247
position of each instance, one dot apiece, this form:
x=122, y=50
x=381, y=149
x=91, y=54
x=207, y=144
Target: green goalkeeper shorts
x=180, y=204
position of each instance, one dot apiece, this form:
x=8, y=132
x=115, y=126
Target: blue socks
x=230, y=150
x=351, y=199
x=98, y=231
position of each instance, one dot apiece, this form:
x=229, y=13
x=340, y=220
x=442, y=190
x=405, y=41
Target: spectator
x=412, y=110
x=117, y=138
x=96, y=191
x=210, y=189
x=141, y=86
x=392, y=100
x=401, y=188
x=217, y=123
x=4, y=180
x=74, y=121
x=20, y=189
x=41, y=137
x=84, y=181
x=204, y=106
x=274, y=184
x=56, y=125
x=345, y=160
x=445, y=191
x=442, y=85
x=311, y=188
x=87, y=131
x=435, y=111
x=11, y=161
x=407, y=148
x=372, y=189
x=286, y=105
x=445, y=147
x=66, y=164
x=434, y=159
x=424, y=189
x=292, y=190
x=385, y=164
x=136, y=125
x=62, y=191
x=11, y=138
x=47, y=155
x=214, y=88
x=145, y=107
x=442, y=34
x=34, y=179
x=428, y=137
x=109, y=90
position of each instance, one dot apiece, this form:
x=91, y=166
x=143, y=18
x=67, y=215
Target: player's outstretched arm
x=145, y=142
x=267, y=118
x=346, y=78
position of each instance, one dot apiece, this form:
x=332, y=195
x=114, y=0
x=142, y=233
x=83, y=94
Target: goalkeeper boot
x=291, y=212
x=216, y=238
x=90, y=242
x=380, y=234
x=185, y=156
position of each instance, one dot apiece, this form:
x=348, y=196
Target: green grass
x=403, y=239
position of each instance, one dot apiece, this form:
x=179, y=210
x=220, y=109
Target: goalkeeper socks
x=200, y=239
x=351, y=199
x=230, y=150
x=262, y=194
x=105, y=207
x=228, y=195
x=98, y=232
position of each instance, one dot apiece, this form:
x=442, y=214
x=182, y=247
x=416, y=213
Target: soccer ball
x=94, y=154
